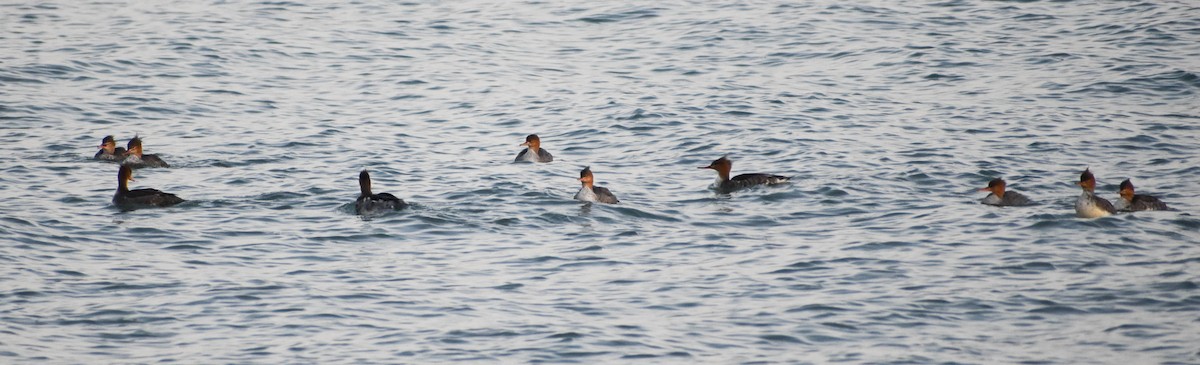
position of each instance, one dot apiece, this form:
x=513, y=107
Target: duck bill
x=705, y=167
x=526, y=144
x=984, y=189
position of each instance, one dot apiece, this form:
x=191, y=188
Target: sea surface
x=889, y=115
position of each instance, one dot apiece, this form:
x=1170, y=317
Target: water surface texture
x=888, y=114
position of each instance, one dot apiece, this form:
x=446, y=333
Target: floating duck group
x=1088, y=205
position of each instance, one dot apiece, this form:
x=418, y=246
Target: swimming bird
x=1089, y=205
x=109, y=150
x=126, y=199
x=136, y=159
x=534, y=151
x=592, y=193
x=368, y=203
x=1138, y=202
x=1000, y=197
x=727, y=185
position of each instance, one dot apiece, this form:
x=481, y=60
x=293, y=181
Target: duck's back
x=605, y=196
x=367, y=204
x=1011, y=199
x=145, y=198
x=146, y=160
x=748, y=180
x=1146, y=202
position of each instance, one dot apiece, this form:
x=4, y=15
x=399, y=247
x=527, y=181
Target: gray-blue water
x=888, y=113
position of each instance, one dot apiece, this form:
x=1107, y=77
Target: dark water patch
x=816, y=308
x=630, y=15
x=1057, y=309
x=876, y=246
x=783, y=339
x=70, y=273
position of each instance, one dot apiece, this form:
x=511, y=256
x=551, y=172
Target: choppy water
x=889, y=114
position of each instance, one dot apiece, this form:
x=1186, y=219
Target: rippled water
x=888, y=114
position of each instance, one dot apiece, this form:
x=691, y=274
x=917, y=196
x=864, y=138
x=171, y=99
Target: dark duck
x=726, y=185
x=1000, y=197
x=1136, y=202
x=126, y=199
x=369, y=203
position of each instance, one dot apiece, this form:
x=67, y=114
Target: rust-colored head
x=134, y=147
x=1086, y=180
x=585, y=176
x=109, y=145
x=533, y=142
x=722, y=165
x=1127, y=190
x=996, y=186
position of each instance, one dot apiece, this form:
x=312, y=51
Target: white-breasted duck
x=136, y=159
x=1088, y=205
x=533, y=151
x=592, y=193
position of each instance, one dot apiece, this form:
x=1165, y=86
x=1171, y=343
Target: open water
x=889, y=114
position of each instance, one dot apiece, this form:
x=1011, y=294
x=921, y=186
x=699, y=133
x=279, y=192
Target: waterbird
x=727, y=185
x=533, y=151
x=1088, y=205
x=126, y=199
x=1000, y=197
x=109, y=150
x=368, y=203
x=136, y=159
x=591, y=193
x=1136, y=202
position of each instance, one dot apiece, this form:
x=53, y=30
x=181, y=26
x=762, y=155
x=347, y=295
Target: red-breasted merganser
x=368, y=203
x=1136, y=202
x=999, y=197
x=126, y=199
x=1089, y=205
x=534, y=152
x=727, y=185
x=592, y=193
x=109, y=150
x=136, y=159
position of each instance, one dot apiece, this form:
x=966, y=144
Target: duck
x=534, y=151
x=592, y=193
x=727, y=185
x=109, y=150
x=136, y=159
x=1088, y=205
x=1137, y=202
x=1000, y=197
x=368, y=203
x=126, y=199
